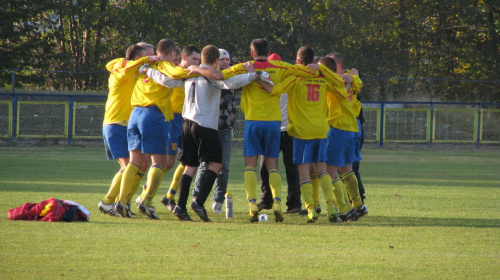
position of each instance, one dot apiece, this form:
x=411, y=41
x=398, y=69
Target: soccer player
x=340, y=150
x=199, y=135
x=307, y=125
x=262, y=123
x=356, y=86
x=227, y=120
x=190, y=56
x=291, y=170
x=121, y=83
x=146, y=132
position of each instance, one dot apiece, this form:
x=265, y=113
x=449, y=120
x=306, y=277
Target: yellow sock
x=306, y=188
x=351, y=185
x=326, y=186
x=275, y=184
x=338, y=195
x=114, y=190
x=315, y=184
x=155, y=175
x=250, y=181
x=138, y=178
x=128, y=180
x=174, y=186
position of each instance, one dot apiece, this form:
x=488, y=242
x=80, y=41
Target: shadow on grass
x=385, y=221
x=441, y=183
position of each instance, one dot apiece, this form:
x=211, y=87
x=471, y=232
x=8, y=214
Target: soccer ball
x=263, y=218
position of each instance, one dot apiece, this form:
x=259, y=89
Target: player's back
x=256, y=103
x=148, y=93
x=341, y=113
x=307, y=107
x=121, y=83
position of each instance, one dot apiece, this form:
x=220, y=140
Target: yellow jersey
x=307, y=106
x=340, y=110
x=256, y=103
x=121, y=83
x=340, y=102
x=148, y=93
x=356, y=86
x=177, y=100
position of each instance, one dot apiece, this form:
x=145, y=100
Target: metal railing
x=70, y=117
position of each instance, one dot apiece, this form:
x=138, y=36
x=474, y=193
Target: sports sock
x=250, y=181
x=351, y=184
x=185, y=185
x=174, y=186
x=275, y=184
x=207, y=179
x=306, y=188
x=315, y=184
x=138, y=178
x=155, y=176
x=326, y=186
x=114, y=189
x=338, y=195
x=128, y=179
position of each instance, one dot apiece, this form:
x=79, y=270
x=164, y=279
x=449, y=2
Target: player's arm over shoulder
x=285, y=86
x=172, y=71
x=332, y=77
x=356, y=84
x=233, y=71
x=297, y=70
x=340, y=92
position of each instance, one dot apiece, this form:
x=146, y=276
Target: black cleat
x=123, y=210
x=363, y=211
x=181, y=214
x=200, y=211
x=169, y=203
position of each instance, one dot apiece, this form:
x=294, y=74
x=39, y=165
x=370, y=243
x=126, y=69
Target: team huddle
x=168, y=105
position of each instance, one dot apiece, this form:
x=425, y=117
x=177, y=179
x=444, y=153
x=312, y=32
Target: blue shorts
x=357, y=142
x=309, y=151
x=174, y=134
x=340, y=147
x=262, y=138
x=115, y=141
x=146, y=131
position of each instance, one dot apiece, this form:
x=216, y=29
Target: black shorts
x=200, y=144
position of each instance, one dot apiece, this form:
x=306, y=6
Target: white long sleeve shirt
x=202, y=95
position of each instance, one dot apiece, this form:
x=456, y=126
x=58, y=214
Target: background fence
x=72, y=117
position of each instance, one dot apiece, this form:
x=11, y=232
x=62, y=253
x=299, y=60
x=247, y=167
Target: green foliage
x=404, y=40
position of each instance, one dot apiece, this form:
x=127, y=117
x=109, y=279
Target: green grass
x=433, y=215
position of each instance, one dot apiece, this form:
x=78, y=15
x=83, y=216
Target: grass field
x=434, y=214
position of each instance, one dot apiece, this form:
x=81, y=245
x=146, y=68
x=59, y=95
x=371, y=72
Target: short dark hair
x=339, y=58
x=189, y=50
x=166, y=46
x=260, y=47
x=209, y=54
x=329, y=62
x=306, y=55
x=316, y=59
x=133, y=52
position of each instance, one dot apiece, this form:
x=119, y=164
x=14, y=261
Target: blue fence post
x=478, y=125
x=13, y=80
x=431, y=124
x=381, y=142
x=70, y=120
x=14, y=117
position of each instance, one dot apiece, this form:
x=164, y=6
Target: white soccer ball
x=263, y=218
